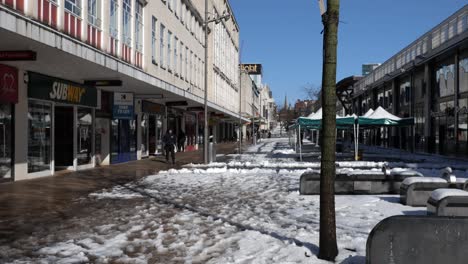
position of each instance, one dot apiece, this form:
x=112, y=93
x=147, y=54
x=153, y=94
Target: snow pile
x=284, y=151
x=411, y=180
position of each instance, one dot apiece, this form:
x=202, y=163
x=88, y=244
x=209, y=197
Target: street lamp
x=226, y=16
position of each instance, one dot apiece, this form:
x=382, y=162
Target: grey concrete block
x=451, y=205
x=418, y=240
x=353, y=184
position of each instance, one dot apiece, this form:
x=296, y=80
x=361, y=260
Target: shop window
x=6, y=139
x=144, y=127
x=463, y=73
x=445, y=78
x=462, y=132
x=84, y=136
x=39, y=136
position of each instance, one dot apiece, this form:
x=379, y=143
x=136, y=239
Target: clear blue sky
x=285, y=36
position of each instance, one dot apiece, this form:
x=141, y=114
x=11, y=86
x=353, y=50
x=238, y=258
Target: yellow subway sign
x=48, y=88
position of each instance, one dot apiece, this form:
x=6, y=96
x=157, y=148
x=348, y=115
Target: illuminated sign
x=254, y=69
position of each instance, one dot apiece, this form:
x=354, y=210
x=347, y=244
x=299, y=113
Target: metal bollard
x=211, y=153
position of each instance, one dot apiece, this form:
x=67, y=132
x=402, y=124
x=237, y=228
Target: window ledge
x=162, y=67
x=154, y=62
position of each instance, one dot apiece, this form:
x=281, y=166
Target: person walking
x=169, y=140
x=181, y=141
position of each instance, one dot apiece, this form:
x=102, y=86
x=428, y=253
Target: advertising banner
x=123, y=106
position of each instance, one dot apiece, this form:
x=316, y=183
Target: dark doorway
x=442, y=139
x=63, y=137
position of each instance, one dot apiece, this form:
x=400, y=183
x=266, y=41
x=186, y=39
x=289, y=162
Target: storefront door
x=63, y=149
x=123, y=141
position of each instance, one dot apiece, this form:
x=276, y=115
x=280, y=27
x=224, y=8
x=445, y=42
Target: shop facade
x=60, y=125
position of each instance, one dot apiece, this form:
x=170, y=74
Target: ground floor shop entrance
x=6, y=139
x=123, y=140
x=63, y=131
x=61, y=120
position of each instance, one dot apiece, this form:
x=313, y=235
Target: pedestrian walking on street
x=169, y=140
x=181, y=141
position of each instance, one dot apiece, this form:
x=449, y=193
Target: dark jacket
x=181, y=137
x=169, y=139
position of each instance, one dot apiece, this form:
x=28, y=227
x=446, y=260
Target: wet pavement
x=26, y=204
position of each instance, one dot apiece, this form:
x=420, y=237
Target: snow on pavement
x=214, y=215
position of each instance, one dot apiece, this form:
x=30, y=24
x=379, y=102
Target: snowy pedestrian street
x=216, y=214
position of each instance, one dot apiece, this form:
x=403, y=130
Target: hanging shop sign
x=153, y=108
x=123, y=106
x=8, y=84
x=52, y=89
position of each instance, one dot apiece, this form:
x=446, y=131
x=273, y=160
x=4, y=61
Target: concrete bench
x=448, y=202
x=418, y=240
x=416, y=191
x=355, y=182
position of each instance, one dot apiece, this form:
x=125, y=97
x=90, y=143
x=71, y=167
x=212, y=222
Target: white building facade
x=97, y=82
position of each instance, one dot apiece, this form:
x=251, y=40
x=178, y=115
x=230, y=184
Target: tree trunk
x=328, y=246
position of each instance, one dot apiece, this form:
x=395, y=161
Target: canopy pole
x=300, y=144
x=357, y=140
x=355, y=147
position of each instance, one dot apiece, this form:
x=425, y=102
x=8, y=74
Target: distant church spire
x=286, y=105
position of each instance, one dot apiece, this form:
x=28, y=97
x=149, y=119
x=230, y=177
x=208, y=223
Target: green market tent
x=378, y=118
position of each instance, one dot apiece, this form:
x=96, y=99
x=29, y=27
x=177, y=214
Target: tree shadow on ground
x=354, y=260
x=391, y=199
x=314, y=249
x=415, y=212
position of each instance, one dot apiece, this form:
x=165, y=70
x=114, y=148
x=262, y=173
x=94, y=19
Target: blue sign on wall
x=123, y=106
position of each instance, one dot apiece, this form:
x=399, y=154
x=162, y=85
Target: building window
x=176, y=9
x=153, y=40
x=169, y=50
x=74, y=6
x=113, y=18
x=138, y=26
x=181, y=59
x=94, y=13
x=161, y=45
x=169, y=4
x=445, y=77
x=176, y=42
x=126, y=21
x=186, y=63
x=182, y=13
